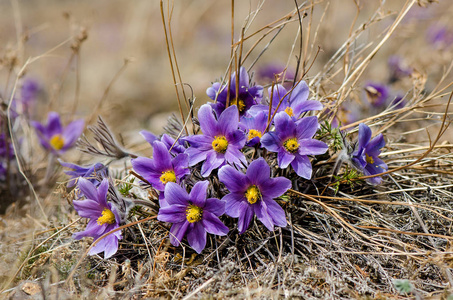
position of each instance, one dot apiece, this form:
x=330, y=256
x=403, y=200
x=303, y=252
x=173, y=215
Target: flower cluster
x=225, y=171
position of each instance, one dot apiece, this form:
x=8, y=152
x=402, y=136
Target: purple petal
x=233, y=179
x=276, y=212
x=258, y=171
x=88, y=208
x=72, y=132
x=271, y=141
x=374, y=146
x=53, y=124
x=213, y=225
x=88, y=189
x=93, y=229
x=177, y=232
x=228, y=120
x=260, y=210
x=181, y=165
x=312, y=147
x=233, y=203
x=213, y=161
x=197, y=237
x=161, y=157
x=302, y=165
x=148, y=136
x=275, y=187
x=111, y=246
x=245, y=216
x=234, y=156
x=307, y=127
x=102, y=192
x=208, y=123
x=198, y=193
x=212, y=91
x=175, y=195
x=243, y=78
x=195, y=155
x=300, y=93
x=284, y=158
x=215, y=206
x=307, y=106
x=364, y=135
x=284, y=125
x=172, y=214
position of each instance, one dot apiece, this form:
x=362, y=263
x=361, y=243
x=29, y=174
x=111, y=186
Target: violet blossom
x=162, y=168
x=175, y=147
x=376, y=93
x=92, y=172
x=103, y=216
x=293, y=141
x=220, y=143
x=365, y=157
x=56, y=138
x=254, y=127
x=397, y=68
x=246, y=98
x=253, y=193
x=192, y=214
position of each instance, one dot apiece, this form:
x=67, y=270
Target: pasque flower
x=162, y=168
x=56, y=138
x=365, y=156
x=220, y=143
x=91, y=172
x=254, y=127
x=293, y=141
x=247, y=95
x=192, y=214
x=253, y=193
x=103, y=216
x=175, y=147
x=376, y=93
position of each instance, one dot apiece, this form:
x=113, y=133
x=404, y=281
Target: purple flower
x=220, y=143
x=270, y=71
x=88, y=172
x=365, y=157
x=293, y=142
x=247, y=97
x=254, y=127
x=253, y=193
x=294, y=102
x=397, y=68
x=54, y=137
x=192, y=214
x=176, y=148
x=398, y=102
x=376, y=93
x=439, y=36
x=162, y=168
x=103, y=216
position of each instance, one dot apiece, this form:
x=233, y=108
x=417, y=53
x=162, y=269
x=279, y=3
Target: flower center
x=289, y=111
x=253, y=133
x=57, y=142
x=291, y=145
x=107, y=217
x=220, y=144
x=369, y=159
x=194, y=213
x=253, y=194
x=239, y=103
x=168, y=176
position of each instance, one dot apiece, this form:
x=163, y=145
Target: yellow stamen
x=168, y=176
x=289, y=111
x=369, y=159
x=239, y=103
x=253, y=194
x=291, y=145
x=194, y=213
x=57, y=142
x=107, y=217
x=253, y=133
x=220, y=144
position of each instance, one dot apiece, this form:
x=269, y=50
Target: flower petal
x=177, y=232
x=213, y=161
x=233, y=179
x=276, y=212
x=88, y=208
x=258, y=171
x=271, y=141
x=208, y=123
x=215, y=206
x=161, y=157
x=72, y=132
x=307, y=127
x=228, y=120
x=364, y=135
x=275, y=187
x=245, y=216
x=260, y=210
x=197, y=237
x=233, y=203
x=284, y=158
x=172, y=214
x=88, y=189
x=176, y=195
x=312, y=147
x=198, y=193
x=213, y=225
x=302, y=165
